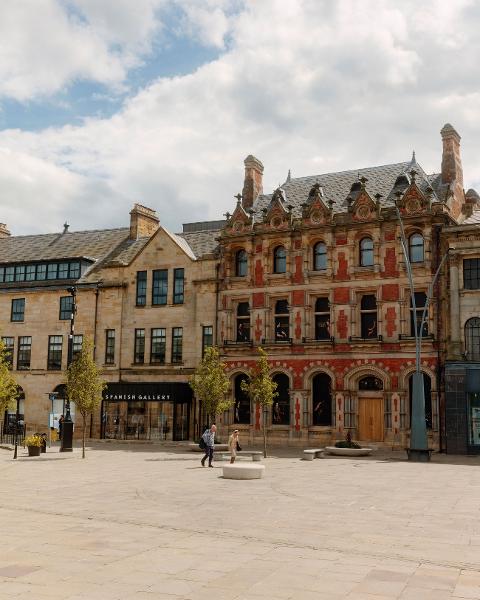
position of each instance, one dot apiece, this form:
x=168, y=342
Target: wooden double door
x=370, y=419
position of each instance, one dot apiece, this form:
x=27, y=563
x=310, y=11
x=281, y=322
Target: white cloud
x=46, y=44
x=305, y=84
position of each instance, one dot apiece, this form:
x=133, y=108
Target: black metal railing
x=7, y=433
x=359, y=338
x=245, y=343
x=275, y=341
x=403, y=336
x=307, y=340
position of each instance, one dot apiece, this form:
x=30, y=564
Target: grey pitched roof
x=94, y=245
x=336, y=186
x=472, y=219
x=201, y=242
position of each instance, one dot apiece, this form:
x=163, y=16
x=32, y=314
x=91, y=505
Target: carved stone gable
x=364, y=208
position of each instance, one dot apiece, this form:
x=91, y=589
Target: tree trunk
x=84, y=434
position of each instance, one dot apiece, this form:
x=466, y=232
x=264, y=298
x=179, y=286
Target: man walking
x=209, y=439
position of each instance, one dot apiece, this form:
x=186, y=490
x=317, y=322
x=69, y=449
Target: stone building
x=145, y=296
x=314, y=273
x=462, y=365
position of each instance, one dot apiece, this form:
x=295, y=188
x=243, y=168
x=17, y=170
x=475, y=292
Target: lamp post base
x=419, y=454
x=67, y=437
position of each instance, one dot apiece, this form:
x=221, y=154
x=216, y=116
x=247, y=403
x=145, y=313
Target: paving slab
x=149, y=523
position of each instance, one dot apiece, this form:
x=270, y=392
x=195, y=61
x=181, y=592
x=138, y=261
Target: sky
x=105, y=103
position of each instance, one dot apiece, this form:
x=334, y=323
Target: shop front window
x=473, y=402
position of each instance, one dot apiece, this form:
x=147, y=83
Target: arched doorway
x=241, y=408
x=370, y=409
x=58, y=399
x=281, y=404
x=321, y=400
x=10, y=416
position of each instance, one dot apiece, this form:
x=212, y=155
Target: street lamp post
x=67, y=429
x=15, y=452
x=418, y=450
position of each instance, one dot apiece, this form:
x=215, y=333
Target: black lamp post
x=67, y=429
x=16, y=428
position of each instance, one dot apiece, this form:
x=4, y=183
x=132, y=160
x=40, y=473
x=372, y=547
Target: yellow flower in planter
x=33, y=440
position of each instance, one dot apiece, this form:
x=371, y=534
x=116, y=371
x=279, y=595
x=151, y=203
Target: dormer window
x=279, y=260
x=320, y=257
x=416, y=248
x=366, y=252
x=241, y=263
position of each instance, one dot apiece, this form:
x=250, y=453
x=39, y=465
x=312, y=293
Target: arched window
x=370, y=383
x=279, y=260
x=322, y=399
x=366, y=252
x=472, y=339
x=427, y=390
x=241, y=263
x=415, y=248
x=281, y=404
x=420, y=301
x=58, y=399
x=322, y=319
x=241, y=411
x=320, y=257
x=243, y=322
x=282, y=321
x=368, y=316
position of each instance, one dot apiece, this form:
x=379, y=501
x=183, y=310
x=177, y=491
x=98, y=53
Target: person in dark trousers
x=209, y=439
x=60, y=426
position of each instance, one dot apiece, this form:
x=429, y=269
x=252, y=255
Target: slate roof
x=94, y=245
x=201, y=242
x=336, y=186
x=472, y=219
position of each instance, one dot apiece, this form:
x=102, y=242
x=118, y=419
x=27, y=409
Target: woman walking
x=233, y=446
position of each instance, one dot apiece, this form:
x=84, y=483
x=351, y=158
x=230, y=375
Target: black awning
x=148, y=392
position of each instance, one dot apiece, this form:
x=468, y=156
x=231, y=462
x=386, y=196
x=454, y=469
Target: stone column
x=455, y=345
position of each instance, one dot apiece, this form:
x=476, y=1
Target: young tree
x=8, y=385
x=261, y=388
x=84, y=386
x=210, y=383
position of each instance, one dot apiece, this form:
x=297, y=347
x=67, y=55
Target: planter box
x=348, y=451
x=34, y=450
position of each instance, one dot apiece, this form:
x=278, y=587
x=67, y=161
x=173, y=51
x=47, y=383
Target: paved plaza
x=149, y=523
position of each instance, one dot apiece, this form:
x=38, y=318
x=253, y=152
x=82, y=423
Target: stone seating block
x=243, y=471
x=312, y=453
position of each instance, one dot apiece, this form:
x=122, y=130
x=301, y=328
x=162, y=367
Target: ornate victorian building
x=315, y=274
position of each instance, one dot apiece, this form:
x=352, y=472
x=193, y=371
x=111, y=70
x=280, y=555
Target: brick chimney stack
x=452, y=170
x=143, y=222
x=4, y=231
x=253, y=183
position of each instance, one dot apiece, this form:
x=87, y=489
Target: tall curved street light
x=418, y=450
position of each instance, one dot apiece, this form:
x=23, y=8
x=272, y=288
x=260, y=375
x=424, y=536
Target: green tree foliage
x=210, y=383
x=8, y=385
x=84, y=385
x=261, y=388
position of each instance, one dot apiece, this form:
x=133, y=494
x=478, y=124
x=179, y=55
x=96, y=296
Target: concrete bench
x=244, y=471
x=255, y=455
x=312, y=453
